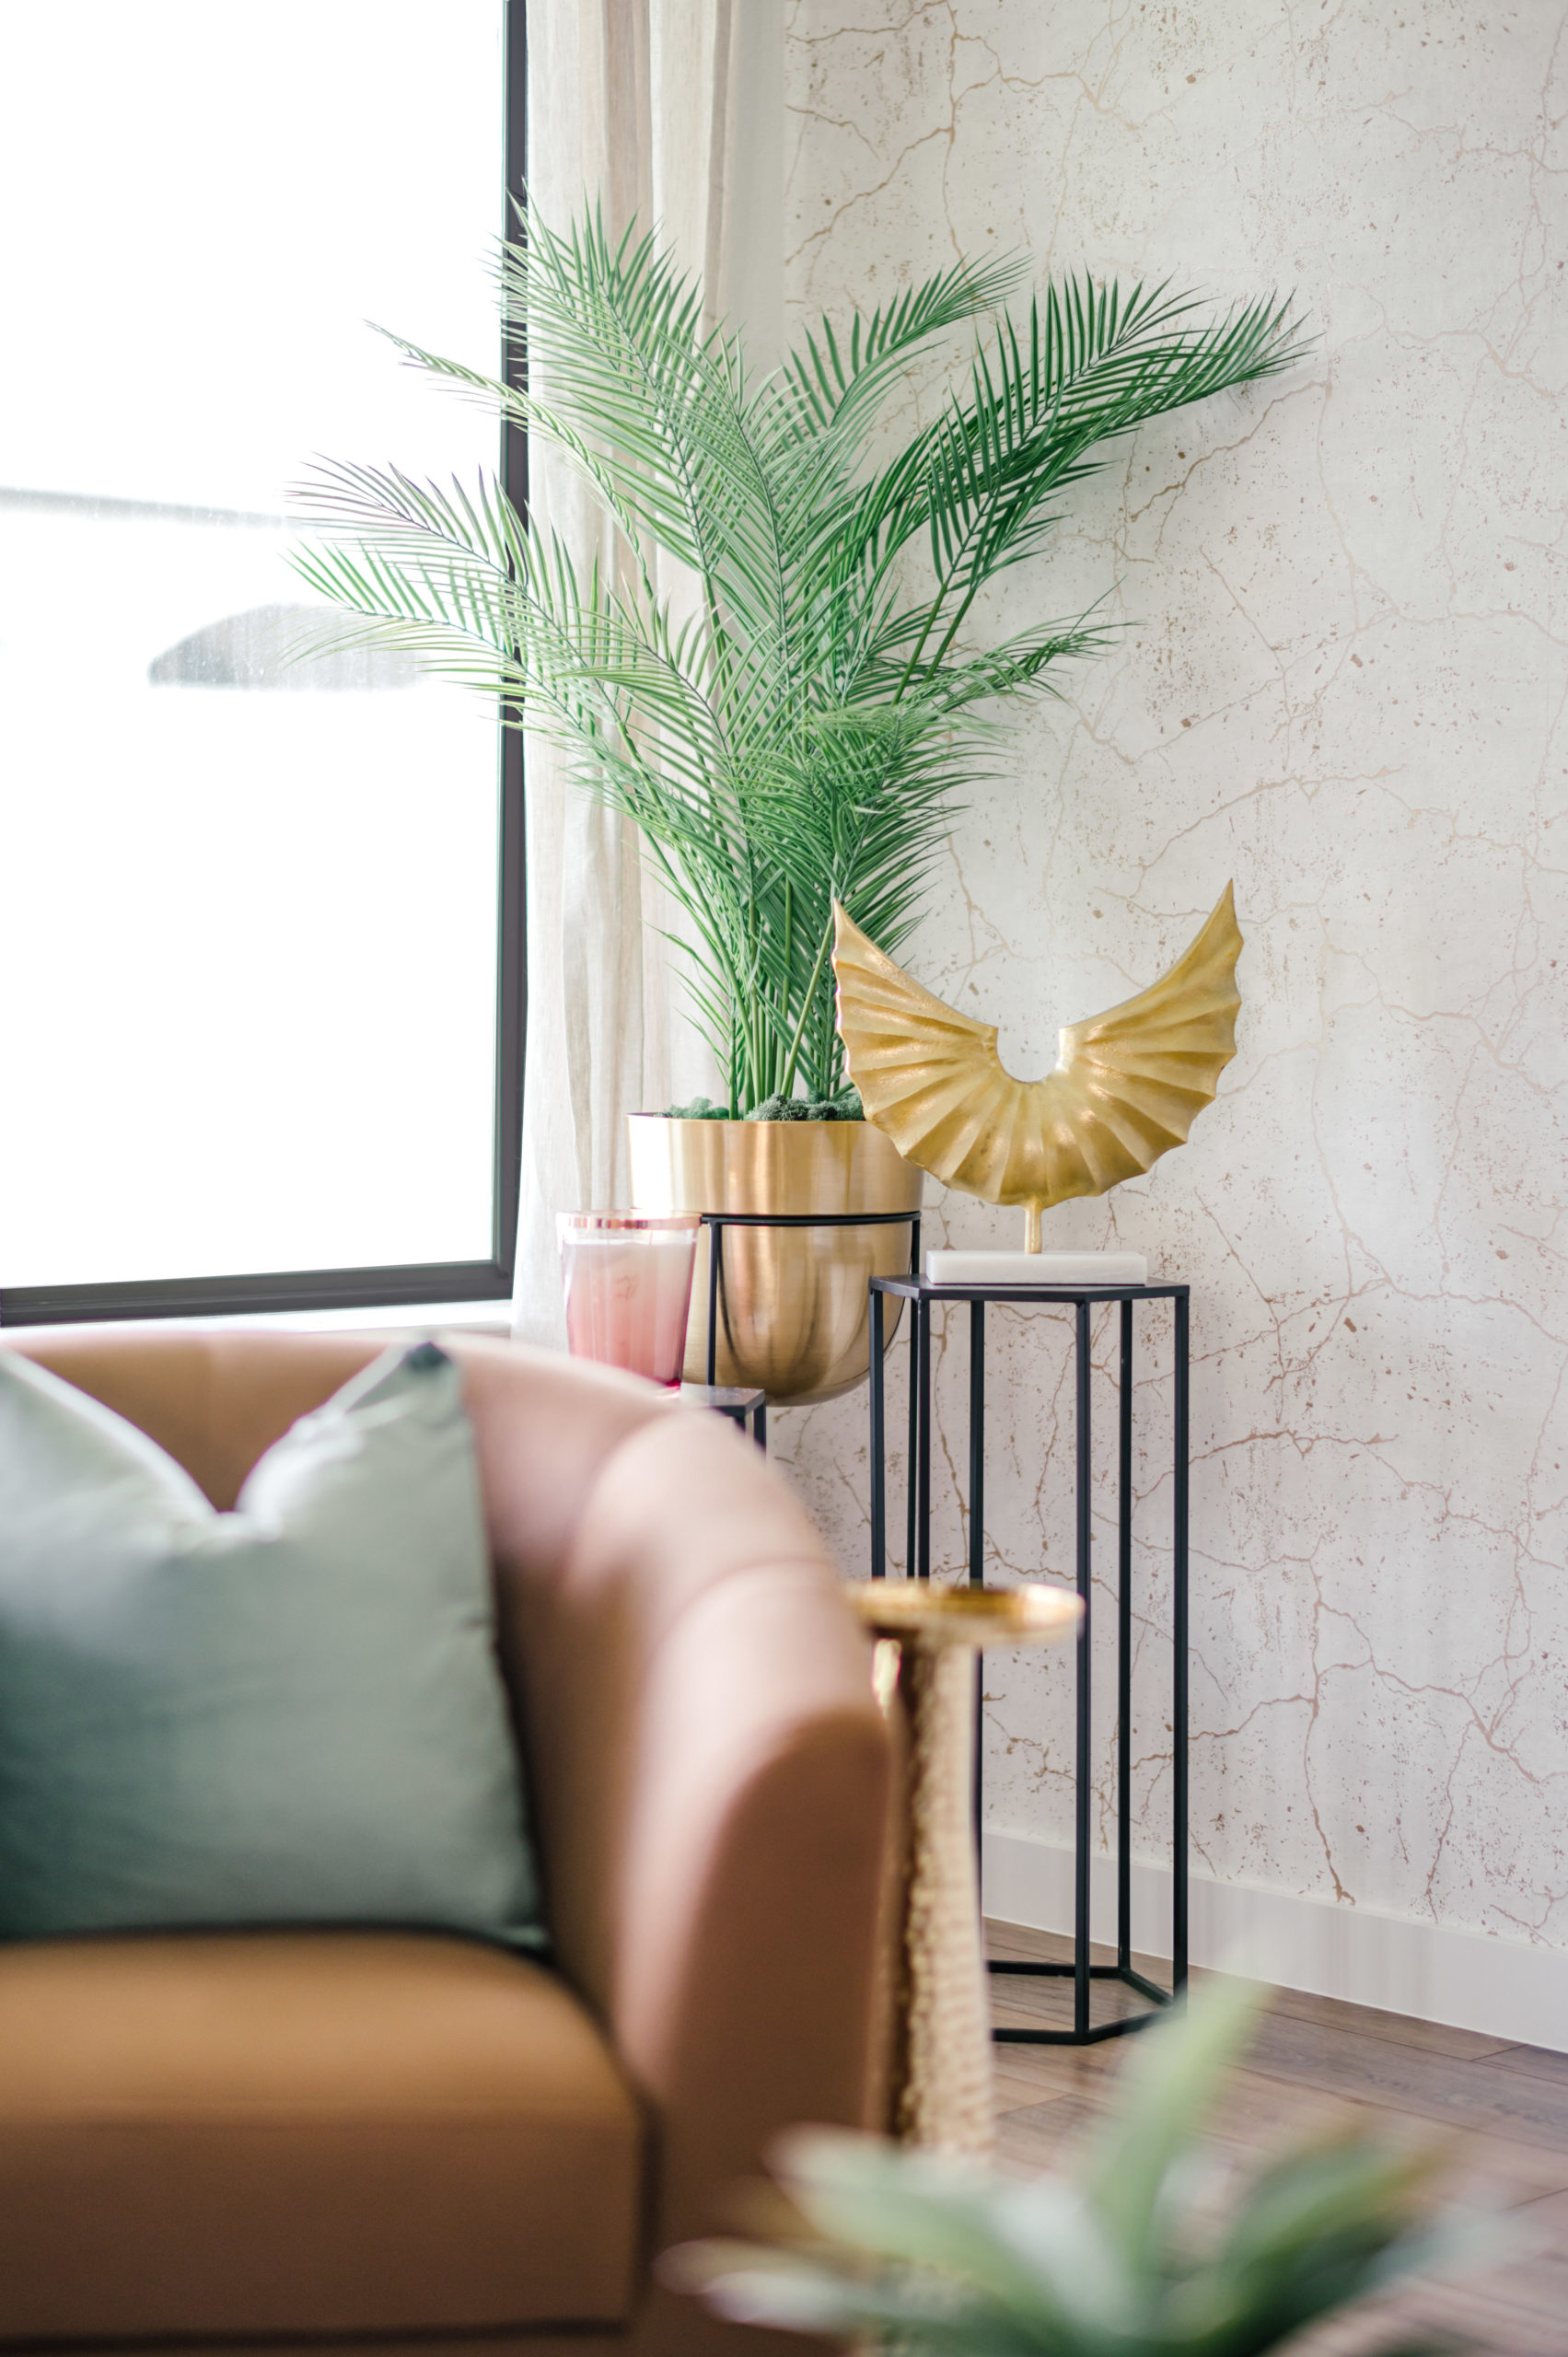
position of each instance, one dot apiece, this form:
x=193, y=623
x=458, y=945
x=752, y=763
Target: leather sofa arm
x=711, y=1781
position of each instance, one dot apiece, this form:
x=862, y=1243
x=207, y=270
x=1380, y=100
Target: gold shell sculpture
x=1126, y=1088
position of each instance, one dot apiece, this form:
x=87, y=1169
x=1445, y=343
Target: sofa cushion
x=292, y=2132
x=288, y=1714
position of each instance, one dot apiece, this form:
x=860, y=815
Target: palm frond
x=1123, y=2259
x=806, y=732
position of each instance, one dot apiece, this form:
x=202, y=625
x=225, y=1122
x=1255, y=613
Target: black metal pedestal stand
x=922, y=1295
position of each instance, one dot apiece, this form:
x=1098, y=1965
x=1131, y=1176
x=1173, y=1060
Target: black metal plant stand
x=735, y=1400
x=923, y=1296
x=716, y=1222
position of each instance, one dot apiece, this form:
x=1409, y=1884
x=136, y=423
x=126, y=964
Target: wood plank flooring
x=1499, y=2109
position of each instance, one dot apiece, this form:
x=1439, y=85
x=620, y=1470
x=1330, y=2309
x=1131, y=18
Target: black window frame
x=412, y=1284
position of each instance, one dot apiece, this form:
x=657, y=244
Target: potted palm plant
x=782, y=680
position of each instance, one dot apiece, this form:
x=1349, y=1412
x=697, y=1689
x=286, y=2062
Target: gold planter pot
x=794, y=1319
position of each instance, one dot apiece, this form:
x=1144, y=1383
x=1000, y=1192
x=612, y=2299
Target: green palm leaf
x=1125, y=2259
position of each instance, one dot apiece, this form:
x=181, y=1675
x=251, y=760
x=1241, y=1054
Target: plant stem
x=787, y=1083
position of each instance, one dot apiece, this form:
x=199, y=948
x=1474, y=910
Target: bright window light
x=249, y=923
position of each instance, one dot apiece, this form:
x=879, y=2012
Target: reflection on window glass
x=248, y=952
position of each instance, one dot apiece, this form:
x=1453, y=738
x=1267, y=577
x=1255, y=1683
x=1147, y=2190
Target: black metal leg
x=977, y=1546
x=977, y=1444
x=760, y=1426
x=878, y=1445
x=914, y=1403
x=1124, y=1655
x=715, y=1234
x=912, y=1460
x=922, y=1531
x=1083, y=1826
x=1179, y=1638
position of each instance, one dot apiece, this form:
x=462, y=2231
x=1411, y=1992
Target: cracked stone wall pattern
x=1343, y=683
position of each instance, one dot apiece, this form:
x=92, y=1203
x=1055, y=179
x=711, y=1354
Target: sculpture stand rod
x=878, y=1442
x=920, y=1474
x=977, y=1444
x=911, y=1486
x=1084, y=1766
x=1124, y=1654
x=1179, y=1639
x=977, y=1556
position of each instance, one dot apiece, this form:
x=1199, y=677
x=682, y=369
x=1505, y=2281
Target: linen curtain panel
x=630, y=102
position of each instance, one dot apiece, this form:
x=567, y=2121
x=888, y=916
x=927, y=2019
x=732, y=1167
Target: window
x=259, y=932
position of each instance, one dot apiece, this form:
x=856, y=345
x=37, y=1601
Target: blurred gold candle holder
x=939, y=2085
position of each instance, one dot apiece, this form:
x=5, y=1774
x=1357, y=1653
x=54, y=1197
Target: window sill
x=472, y=1316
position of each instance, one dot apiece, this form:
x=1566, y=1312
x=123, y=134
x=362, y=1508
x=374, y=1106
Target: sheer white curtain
x=630, y=102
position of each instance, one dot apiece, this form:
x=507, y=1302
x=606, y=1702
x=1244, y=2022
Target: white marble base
x=1037, y=1267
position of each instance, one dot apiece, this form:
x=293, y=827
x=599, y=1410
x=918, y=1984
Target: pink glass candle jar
x=628, y=1282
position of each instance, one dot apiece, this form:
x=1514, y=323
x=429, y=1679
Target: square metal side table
x=737, y=1401
x=923, y=1296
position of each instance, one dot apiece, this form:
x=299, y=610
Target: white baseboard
x=1509, y=1988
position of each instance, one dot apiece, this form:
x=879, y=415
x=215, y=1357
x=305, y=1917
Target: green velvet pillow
x=292, y=1713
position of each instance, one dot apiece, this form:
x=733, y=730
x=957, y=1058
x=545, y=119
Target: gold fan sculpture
x=1126, y=1088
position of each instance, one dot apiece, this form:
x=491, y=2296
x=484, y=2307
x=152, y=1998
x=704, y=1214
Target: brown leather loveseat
x=291, y=2139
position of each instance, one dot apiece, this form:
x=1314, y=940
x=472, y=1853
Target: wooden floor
x=1501, y=2110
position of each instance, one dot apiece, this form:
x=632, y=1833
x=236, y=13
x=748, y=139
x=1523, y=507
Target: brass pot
x=794, y=1319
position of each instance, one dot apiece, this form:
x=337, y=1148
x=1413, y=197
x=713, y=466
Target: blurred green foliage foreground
x=1150, y=2247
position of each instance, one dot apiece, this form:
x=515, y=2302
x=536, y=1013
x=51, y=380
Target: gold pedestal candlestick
x=939, y=2090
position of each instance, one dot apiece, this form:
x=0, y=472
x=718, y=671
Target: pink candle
x=628, y=1282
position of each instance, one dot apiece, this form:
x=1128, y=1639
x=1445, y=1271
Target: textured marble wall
x=1343, y=683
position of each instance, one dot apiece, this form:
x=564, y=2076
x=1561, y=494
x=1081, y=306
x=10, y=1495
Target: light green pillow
x=292, y=1713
